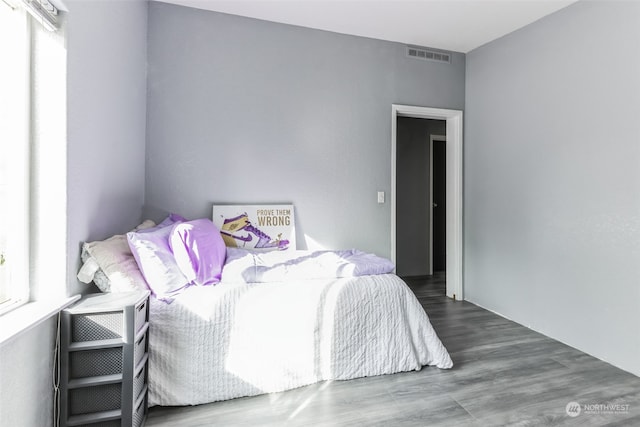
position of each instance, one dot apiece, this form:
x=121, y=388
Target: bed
x=232, y=340
x=275, y=322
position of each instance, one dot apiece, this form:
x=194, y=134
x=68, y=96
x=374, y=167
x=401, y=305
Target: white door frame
x=454, y=187
x=432, y=138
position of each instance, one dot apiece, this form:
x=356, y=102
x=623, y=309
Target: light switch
x=380, y=196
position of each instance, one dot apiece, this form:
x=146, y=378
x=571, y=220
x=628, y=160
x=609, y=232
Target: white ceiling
x=456, y=25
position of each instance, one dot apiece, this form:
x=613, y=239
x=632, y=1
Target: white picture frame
x=256, y=227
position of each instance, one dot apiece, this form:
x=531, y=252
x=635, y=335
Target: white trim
x=431, y=139
x=392, y=196
x=454, y=187
x=30, y=315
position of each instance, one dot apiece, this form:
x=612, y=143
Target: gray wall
x=247, y=111
x=552, y=178
x=107, y=48
x=105, y=129
x=412, y=197
x=26, y=393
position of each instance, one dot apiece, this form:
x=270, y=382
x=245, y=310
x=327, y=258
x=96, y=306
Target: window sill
x=30, y=315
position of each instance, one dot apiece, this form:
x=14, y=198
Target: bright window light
x=14, y=157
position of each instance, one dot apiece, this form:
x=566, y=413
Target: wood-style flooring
x=504, y=374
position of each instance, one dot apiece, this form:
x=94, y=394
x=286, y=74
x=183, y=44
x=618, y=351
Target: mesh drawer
x=140, y=413
x=97, y=326
x=139, y=381
x=141, y=314
x=139, y=349
x=98, y=398
x=92, y=363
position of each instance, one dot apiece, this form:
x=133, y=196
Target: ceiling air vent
x=428, y=54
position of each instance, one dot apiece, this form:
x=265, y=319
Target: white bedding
x=284, y=266
x=231, y=340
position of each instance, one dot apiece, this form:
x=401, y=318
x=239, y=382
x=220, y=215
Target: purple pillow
x=199, y=251
x=150, y=248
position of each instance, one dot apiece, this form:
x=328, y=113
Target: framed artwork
x=259, y=227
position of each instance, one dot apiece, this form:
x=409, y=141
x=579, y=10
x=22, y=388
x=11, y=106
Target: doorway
x=438, y=235
x=415, y=192
x=453, y=149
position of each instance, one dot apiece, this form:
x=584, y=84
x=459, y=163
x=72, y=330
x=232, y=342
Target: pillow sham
x=155, y=259
x=199, y=251
x=110, y=264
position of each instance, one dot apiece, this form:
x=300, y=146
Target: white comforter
x=232, y=340
x=284, y=266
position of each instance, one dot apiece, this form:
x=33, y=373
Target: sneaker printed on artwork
x=272, y=227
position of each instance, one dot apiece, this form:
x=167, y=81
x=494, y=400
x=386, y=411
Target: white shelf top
x=107, y=302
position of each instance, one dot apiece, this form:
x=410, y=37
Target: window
x=14, y=156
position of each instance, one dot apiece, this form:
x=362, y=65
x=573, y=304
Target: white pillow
x=110, y=264
x=153, y=254
x=91, y=271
